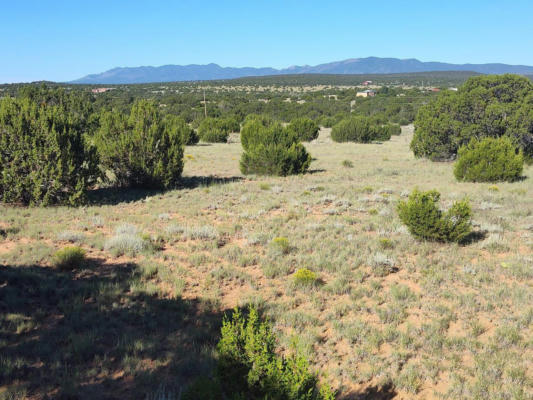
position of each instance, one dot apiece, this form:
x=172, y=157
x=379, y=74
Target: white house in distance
x=101, y=90
x=366, y=93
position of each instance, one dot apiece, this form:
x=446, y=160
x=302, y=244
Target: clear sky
x=65, y=40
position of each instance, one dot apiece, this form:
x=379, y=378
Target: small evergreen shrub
x=249, y=368
x=359, y=129
x=305, y=277
x=141, y=150
x=69, y=258
x=489, y=160
x=304, y=128
x=383, y=132
x=394, y=129
x=217, y=130
x=178, y=124
x=252, y=127
x=422, y=216
x=327, y=122
x=272, y=150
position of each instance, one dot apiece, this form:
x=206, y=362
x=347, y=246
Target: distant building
x=454, y=89
x=435, y=89
x=366, y=83
x=366, y=93
x=101, y=90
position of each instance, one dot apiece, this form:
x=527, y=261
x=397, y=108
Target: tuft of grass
x=264, y=186
x=382, y=265
x=386, y=243
x=70, y=236
x=347, y=164
x=69, y=258
x=125, y=244
x=126, y=229
x=206, y=232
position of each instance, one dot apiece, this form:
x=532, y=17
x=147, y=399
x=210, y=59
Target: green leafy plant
x=69, y=258
x=422, y=216
x=489, y=160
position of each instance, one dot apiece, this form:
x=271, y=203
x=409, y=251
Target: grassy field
x=388, y=316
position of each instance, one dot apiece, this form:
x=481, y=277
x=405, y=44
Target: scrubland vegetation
x=278, y=264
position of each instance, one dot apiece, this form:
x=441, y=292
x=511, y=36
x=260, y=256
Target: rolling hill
x=369, y=65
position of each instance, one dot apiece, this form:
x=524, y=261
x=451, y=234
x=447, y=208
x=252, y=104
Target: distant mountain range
x=369, y=65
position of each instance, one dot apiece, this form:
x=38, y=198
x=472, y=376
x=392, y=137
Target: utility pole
x=205, y=105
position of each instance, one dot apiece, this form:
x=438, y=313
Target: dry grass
x=429, y=320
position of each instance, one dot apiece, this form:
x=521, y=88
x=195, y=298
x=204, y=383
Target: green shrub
x=69, y=258
x=281, y=244
x=177, y=124
x=489, y=160
x=141, y=150
x=305, y=129
x=383, y=132
x=44, y=157
x=252, y=127
x=422, y=216
x=249, y=368
x=485, y=106
x=395, y=129
x=217, y=130
x=358, y=129
x=347, y=164
x=305, y=277
x=328, y=122
x=272, y=150
x=403, y=122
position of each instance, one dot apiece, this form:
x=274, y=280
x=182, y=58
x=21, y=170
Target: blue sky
x=65, y=40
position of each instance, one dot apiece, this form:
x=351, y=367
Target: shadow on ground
x=98, y=333
x=114, y=195
x=473, y=237
x=386, y=392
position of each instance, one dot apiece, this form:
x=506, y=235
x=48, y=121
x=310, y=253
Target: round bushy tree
x=141, y=149
x=44, y=157
x=305, y=129
x=485, y=106
x=178, y=124
x=217, y=130
x=489, y=160
x=252, y=126
x=422, y=216
x=357, y=129
x=272, y=150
